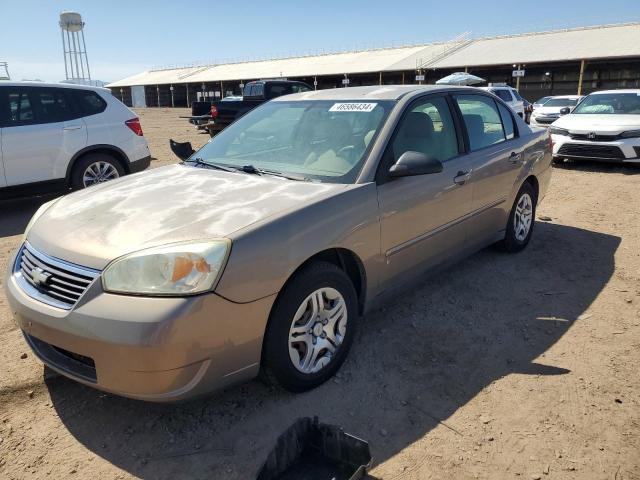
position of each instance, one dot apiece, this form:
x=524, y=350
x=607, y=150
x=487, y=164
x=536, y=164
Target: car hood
x=608, y=123
x=547, y=110
x=176, y=203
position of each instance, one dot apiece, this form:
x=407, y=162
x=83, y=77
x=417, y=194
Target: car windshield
x=542, y=100
x=611, y=103
x=561, y=102
x=320, y=140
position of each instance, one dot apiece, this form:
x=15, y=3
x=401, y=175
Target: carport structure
x=571, y=61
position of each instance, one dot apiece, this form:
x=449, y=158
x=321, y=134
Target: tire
x=278, y=356
x=103, y=162
x=515, y=238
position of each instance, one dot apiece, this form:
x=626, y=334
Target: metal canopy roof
x=607, y=41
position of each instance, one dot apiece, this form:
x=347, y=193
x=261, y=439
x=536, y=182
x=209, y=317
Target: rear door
x=496, y=155
x=44, y=131
x=423, y=218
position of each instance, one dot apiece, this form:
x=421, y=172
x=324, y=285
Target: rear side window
x=482, y=120
x=88, y=102
x=52, y=105
x=507, y=121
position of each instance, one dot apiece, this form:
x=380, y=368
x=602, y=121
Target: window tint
x=482, y=120
x=52, y=105
x=507, y=121
x=503, y=94
x=20, y=109
x=517, y=95
x=88, y=102
x=299, y=88
x=428, y=128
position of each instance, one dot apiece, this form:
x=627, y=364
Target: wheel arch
x=111, y=150
x=533, y=181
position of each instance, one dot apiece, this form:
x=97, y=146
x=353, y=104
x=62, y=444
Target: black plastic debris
x=309, y=450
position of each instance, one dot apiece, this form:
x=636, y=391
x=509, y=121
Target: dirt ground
x=503, y=366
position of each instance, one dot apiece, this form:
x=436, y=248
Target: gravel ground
x=503, y=366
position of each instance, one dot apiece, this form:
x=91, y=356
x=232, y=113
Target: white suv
x=509, y=95
x=56, y=136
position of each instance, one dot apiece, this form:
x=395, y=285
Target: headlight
x=630, y=134
x=558, y=131
x=175, y=269
x=43, y=208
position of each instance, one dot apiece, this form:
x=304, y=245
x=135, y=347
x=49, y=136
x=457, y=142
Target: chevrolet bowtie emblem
x=591, y=135
x=40, y=277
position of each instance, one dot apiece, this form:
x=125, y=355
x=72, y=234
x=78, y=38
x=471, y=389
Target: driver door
x=424, y=218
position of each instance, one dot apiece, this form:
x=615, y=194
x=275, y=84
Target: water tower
x=76, y=64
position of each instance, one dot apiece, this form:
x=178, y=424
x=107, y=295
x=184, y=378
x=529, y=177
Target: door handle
x=461, y=178
x=72, y=127
x=515, y=157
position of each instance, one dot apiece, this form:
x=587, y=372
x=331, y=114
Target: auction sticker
x=353, y=107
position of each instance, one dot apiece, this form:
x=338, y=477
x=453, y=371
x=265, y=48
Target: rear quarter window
x=88, y=102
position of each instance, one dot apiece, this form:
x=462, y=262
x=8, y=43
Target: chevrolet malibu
x=262, y=252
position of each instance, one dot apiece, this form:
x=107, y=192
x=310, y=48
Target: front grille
x=50, y=280
x=74, y=364
x=591, y=151
x=597, y=138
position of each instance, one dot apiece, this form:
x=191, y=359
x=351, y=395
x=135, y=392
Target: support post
x=518, y=81
x=582, y=62
x=171, y=90
x=187, y=87
x=221, y=90
x=158, y=93
x=402, y=78
x=380, y=79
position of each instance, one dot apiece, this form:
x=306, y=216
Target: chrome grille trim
x=65, y=282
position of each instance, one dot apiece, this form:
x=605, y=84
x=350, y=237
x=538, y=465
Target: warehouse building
x=571, y=61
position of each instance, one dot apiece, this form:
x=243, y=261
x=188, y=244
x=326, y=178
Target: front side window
x=427, y=128
x=20, y=109
x=503, y=94
x=609, y=103
x=326, y=141
x=483, y=122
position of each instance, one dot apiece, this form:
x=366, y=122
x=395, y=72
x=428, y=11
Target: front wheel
x=311, y=328
x=521, y=220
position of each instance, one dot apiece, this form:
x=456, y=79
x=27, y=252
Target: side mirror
x=414, y=163
x=564, y=110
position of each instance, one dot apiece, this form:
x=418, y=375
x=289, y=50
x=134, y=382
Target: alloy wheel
x=99, y=172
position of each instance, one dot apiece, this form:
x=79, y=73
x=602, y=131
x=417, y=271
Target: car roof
x=570, y=97
x=375, y=92
x=622, y=90
x=12, y=83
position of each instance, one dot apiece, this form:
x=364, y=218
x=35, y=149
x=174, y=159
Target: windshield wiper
x=217, y=166
x=261, y=171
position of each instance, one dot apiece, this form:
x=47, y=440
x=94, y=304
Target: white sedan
x=604, y=126
x=553, y=109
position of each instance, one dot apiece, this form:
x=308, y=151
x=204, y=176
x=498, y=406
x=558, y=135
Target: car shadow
x=599, y=166
x=16, y=213
x=414, y=363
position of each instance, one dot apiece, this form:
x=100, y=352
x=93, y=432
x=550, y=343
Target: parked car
x=604, y=126
x=509, y=95
x=553, y=108
x=61, y=136
x=222, y=113
x=265, y=248
x=541, y=101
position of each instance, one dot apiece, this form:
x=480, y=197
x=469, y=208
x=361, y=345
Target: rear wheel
x=311, y=328
x=95, y=168
x=521, y=220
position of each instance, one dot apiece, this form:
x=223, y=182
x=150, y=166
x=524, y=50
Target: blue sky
x=126, y=37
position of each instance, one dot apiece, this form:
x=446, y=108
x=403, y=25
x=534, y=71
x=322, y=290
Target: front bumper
x=156, y=349
x=622, y=150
